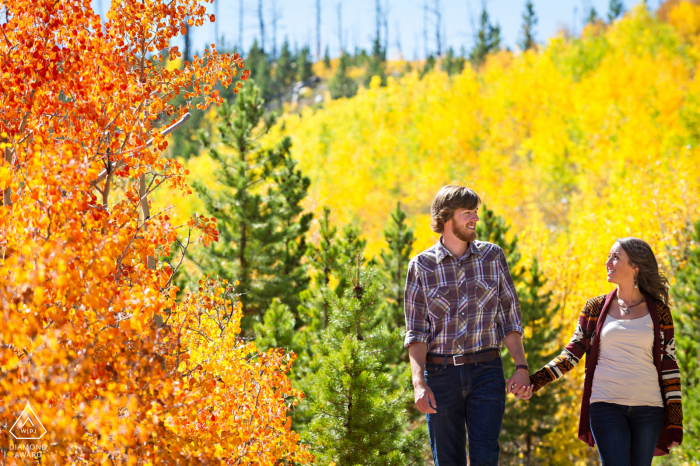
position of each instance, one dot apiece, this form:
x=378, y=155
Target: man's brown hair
x=447, y=201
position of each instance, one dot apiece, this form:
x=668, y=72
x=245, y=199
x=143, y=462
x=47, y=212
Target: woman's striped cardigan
x=586, y=341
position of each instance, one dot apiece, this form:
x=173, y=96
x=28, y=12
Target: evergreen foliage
x=261, y=229
x=304, y=71
x=452, y=64
x=285, y=74
x=686, y=294
x=493, y=228
x=326, y=59
x=342, y=85
x=259, y=65
x=592, y=16
x=615, y=10
x=394, y=259
x=527, y=40
x=324, y=258
x=526, y=423
x=358, y=418
x=377, y=63
x=428, y=65
x=488, y=39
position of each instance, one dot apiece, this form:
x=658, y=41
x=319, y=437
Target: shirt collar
x=443, y=252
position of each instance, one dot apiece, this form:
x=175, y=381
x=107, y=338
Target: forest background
x=280, y=338
x=572, y=144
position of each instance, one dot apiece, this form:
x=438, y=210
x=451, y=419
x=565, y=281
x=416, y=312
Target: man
x=460, y=306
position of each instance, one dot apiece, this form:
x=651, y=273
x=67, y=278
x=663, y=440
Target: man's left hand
x=519, y=384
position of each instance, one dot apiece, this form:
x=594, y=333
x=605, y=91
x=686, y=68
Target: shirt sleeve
x=417, y=325
x=508, y=304
x=569, y=358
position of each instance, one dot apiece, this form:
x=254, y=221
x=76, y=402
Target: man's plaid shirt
x=460, y=305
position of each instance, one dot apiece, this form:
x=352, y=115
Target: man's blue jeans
x=626, y=435
x=470, y=398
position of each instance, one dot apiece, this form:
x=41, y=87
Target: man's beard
x=462, y=233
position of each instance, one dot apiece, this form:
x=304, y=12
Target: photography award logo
x=28, y=427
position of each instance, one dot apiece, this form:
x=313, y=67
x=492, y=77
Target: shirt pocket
x=486, y=293
x=439, y=301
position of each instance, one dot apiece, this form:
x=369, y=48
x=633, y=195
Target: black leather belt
x=460, y=359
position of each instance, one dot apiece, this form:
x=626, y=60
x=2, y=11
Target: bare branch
x=118, y=164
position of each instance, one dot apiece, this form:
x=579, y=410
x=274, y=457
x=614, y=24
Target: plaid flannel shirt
x=462, y=305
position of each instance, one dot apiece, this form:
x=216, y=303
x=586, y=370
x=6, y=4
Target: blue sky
x=297, y=22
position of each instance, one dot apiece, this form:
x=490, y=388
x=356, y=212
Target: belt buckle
x=454, y=360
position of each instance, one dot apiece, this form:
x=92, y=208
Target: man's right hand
x=425, y=400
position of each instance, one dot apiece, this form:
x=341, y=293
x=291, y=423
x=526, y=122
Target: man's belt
x=460, y=359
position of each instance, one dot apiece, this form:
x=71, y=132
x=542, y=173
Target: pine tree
x=615, y=9
x=451, y=64
x=428, y=65
x=377, y=63
x=358, y=418
x=259, y=65
x=327, y=59
x=493, y=228
x=686, y=294
x=304, y=70
x=285, y=67
x=342, y=85
x=323, y=258
x=399, y=238
x=488, y=39
x=261, y=229
x=526, y=423
x=592, y=16
x=529, y=22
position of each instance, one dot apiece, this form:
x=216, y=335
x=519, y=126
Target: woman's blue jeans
x=470, y=399
x=626, y=435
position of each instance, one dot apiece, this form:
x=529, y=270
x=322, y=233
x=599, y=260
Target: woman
x=631, y=406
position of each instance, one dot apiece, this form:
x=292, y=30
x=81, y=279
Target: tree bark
x=7, y=192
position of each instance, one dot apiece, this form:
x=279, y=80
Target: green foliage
x=258, y=63
x=285, y=74
x=615, y=10
x=358, y=417
x=592, y=16
x=493, y=228
x=428, y=65
x=377, y=63
x=527, y=40
x=526, y=423
x=452, y=64
x=324, y=258
x=257, y=206
x=580, y=56
x=326, y=59
x=277, y=328
x=686, y=294
x=394, y=260
x=488, y=39
x=304, y=71
x=342, y=85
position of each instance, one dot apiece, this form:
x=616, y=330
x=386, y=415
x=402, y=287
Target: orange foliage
x=91, y=334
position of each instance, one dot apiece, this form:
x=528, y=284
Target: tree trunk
x=7, y=192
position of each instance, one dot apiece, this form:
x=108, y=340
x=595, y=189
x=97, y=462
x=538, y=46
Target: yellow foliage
x=576, y=145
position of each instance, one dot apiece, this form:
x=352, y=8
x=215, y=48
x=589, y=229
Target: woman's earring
x=635, y=282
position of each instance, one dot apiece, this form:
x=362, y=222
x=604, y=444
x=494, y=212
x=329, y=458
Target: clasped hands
x=519, y=385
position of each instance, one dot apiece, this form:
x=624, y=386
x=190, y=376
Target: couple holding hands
x=461, y=306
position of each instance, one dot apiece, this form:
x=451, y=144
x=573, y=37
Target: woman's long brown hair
x=649, y=279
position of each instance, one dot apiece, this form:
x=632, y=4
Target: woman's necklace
x=626, y=309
